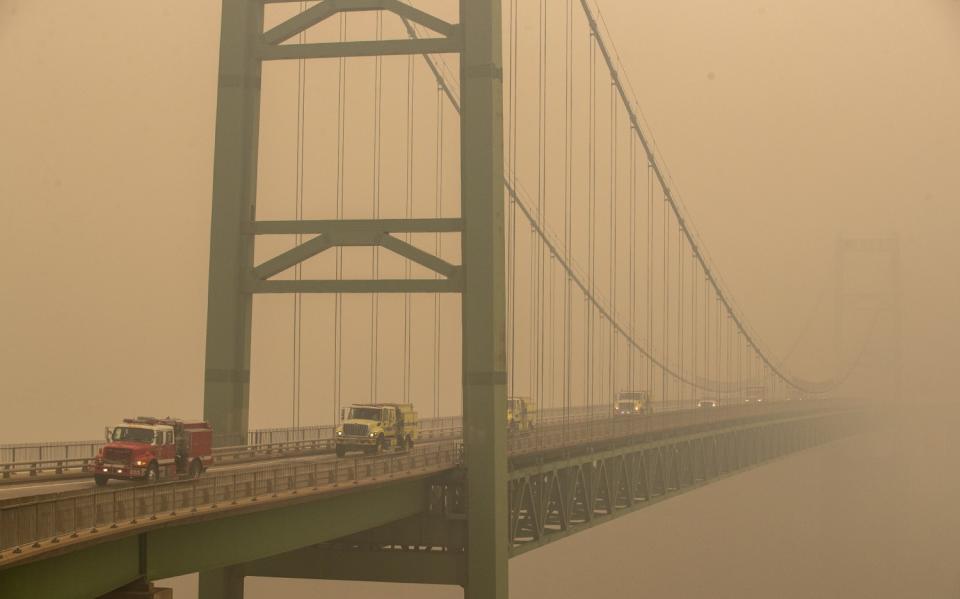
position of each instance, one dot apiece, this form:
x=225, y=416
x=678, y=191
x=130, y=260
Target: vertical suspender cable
x=681, y=258
x=707, y=361
x=589, y=383
x=694, y=332
x=341, y=175
x=611, y=391
x=438, y=251
x=375, y=266
x=719, y=319
x=512, y=232
x=298, y=211
x=408, y=213
x=649, y=302
x=539, y=278
x=665, y=327
x=632, y=263
x=568, y=128
x=377, y=170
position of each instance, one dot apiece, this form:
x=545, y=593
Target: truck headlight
x=339, y=433
x=371, y=435
x=139, y=462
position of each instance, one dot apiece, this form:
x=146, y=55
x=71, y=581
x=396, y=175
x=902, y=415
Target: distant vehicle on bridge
x=152, y=449
x=708, y=403
x=372, y=428
x=520, y=413
x=754, y=393
x=633, y=403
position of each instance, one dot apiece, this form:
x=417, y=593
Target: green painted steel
x=271, y=538
x=222, y=583
x=217, y=541
x=484, y=298
x=481, y=279
x=226, y=395
x=91, y=572
x=270, y=531
x=424, y=567
x=560, y=498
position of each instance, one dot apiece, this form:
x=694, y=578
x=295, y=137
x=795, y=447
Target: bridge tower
x=234, y=277
x=867, y=318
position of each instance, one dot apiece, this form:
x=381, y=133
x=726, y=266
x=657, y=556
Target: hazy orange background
x=785, y=124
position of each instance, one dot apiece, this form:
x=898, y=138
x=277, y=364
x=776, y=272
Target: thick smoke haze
x=785, y=125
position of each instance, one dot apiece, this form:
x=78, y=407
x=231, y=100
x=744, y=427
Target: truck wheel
x=341, y=451
x=380, y=444
x=401, y=444
x=195, y=469
x=153, y=473
x=100, y=480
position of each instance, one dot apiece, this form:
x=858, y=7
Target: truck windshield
x=130, y=433
x=365, y=414
x=625, y=406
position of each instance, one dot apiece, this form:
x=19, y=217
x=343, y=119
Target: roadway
x=14, y=493
x=49, y=484
x=308, y=500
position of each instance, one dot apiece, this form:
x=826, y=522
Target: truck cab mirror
x=343, y=413
x=106, y=433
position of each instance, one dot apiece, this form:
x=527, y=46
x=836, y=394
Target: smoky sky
x=783, y=126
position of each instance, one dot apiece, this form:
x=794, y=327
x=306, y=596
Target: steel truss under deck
x=554, y=495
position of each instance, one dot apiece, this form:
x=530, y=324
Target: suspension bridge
x=446, y=205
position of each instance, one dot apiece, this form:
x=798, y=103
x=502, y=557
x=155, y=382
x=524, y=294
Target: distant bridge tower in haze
x=867, y=317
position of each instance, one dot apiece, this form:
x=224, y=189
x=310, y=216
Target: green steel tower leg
x=226, y=395
x=484, y=299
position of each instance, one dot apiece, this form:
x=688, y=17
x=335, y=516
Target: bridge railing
x=60, y=519
x=72, y=459
x=610, y=428
x=51, y=520
x=51, y=460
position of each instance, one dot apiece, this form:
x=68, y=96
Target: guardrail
x=607, y=429
x=45, y=522
x=62, y=468
x=264, y=444
x=54, y=520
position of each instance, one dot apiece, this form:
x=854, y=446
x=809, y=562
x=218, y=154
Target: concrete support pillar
x=140, y=589
x=223, y=583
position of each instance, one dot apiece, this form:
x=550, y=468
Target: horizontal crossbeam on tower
x=328, y=8
x=453, y=285
x=441, y=45
x=396, y=225
x=357, y=233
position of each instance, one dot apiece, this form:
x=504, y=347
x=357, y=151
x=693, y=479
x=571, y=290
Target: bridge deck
x=563, y=479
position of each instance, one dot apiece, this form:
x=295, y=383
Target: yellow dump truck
x=633, y=403
x=520, y=414
x=372, y=428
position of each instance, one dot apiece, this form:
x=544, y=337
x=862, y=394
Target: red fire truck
x=153, y=449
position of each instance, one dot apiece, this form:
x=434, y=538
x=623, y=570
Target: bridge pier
x=364, y=565
x=140, y=589
x=222, y=583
